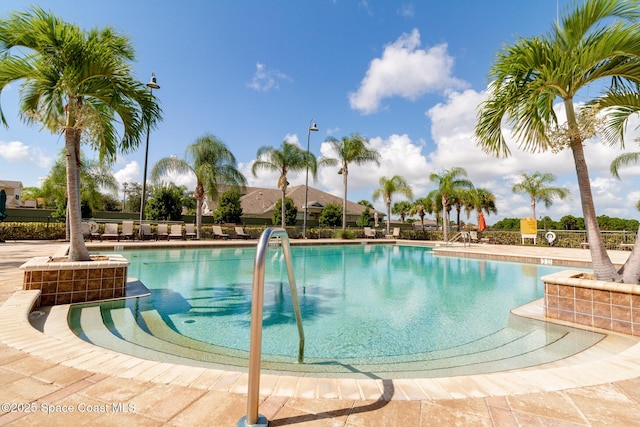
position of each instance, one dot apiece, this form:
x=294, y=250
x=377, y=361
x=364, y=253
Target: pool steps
x=154, y=339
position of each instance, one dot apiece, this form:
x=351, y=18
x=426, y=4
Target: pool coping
x=56, y=345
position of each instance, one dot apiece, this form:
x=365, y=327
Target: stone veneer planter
x=80, y=281
x=606, y=305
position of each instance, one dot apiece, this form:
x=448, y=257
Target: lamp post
x=312, y=127
x=124, y=194
x=151, y=85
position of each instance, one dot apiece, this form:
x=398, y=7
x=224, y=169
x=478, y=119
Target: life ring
x=550, y=236
x=93, y=227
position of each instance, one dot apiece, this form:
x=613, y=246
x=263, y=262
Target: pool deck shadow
x=53, y=377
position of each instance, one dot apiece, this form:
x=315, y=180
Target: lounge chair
x=240, y=234
x=163, y=232
x=189, y=231
x=369, y=233
x=218, y=233
x=176, y=232
x=146, y=233
x=110, y=232
x=473, y=236
x=90, y=231
x=127, y=229
x=395, y=234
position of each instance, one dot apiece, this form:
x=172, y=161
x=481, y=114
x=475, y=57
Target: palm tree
x=598, y=41
x=401, y=209
x=449, y=183
x=535, y=185
x=433, y=205
x=389, y=187
x=420, y=207
x=352, y=149
x=214, y=166
x=76, y=83
x=289, y=158
x=480, y=199
x=93, y=176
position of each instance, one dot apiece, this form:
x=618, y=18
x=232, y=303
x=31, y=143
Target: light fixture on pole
x=151, y=85
x=312, y=127
x=124, y=194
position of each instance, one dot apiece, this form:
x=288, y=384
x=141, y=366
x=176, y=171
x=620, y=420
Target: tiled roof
x=260, y=201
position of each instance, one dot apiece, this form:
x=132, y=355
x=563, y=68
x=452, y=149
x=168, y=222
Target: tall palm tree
x=433, y=205
x=389, y=187
x=76, y=83
x=535, y=185
x=449, y=183
x=596, y=42
x=289, y=158
x=419, y=207
x=352, y=149
x=214, y=166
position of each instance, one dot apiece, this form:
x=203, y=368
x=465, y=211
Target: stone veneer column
x=80, y=281
x=614, y=306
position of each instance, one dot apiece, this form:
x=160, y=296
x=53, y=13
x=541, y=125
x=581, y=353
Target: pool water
x=360, y=304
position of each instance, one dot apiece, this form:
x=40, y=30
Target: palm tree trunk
x=77, y=248
x=603, y=268
x=345, y=172
x=630, y=271
x=282, y=209
x=445, y=220
x=388, y=215
x=533, y=207
x=198, y=217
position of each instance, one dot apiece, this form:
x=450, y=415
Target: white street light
x=312, y=127
x=151, y=85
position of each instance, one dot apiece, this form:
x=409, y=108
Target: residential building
x=13, y=189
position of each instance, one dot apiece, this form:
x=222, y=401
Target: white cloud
x=405, y=70
x=398, y=156
x=407, y=10
x=452, y=130
x=16, y=151
x=265, y=79
x=130, y=173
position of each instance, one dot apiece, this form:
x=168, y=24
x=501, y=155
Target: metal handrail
x=255, y=346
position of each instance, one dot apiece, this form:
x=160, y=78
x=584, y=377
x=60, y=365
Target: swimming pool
x=374, y=308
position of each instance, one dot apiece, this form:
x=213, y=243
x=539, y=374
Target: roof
x=10, y=184
x=262, y=200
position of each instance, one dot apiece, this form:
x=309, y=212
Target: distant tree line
x=570, y=222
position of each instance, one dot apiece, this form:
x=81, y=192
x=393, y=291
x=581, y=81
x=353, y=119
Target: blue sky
x=407, y=75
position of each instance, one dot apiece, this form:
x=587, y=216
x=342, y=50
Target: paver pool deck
x=56, y=371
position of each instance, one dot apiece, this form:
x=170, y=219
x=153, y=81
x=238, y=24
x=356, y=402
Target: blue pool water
x=360, y=303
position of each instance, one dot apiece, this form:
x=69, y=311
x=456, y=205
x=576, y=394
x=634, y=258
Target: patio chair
x=395, y=234
x=176, y=232
x=369, y=233
x=218, y=233
x=190, y=231
x=90, y=231
x=146, y=233
x=163, y=232
x=127, y=229
x=95, y=231
x=240, y=234
x=110, y=232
